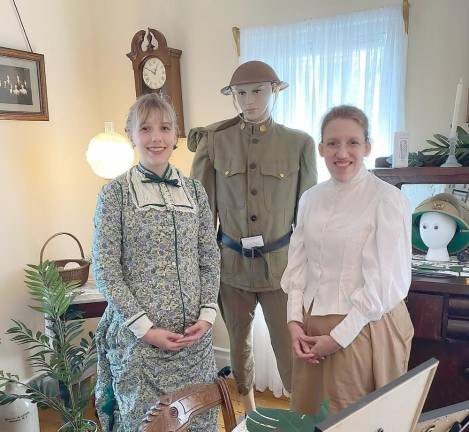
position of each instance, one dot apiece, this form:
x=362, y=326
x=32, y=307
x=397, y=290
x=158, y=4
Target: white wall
x=438, y=56
x=49, y=187
x=46, y=184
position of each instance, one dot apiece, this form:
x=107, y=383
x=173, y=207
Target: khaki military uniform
x=254, y=175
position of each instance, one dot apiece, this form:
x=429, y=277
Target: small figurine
x=440, y=227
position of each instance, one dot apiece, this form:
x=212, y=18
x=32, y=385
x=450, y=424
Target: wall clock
x=157, y=69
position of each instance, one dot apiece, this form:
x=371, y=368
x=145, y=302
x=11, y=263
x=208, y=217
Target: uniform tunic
x=349, y=266
x=156, y=261
x=254, y=175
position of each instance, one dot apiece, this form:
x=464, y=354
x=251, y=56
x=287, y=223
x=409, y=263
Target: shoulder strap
x=196, y=134
x=211, y=145
x=195, y=191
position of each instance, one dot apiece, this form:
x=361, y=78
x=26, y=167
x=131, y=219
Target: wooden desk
x=91, y=303
x=438, y=307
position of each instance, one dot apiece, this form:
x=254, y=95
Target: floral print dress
x=154, y=254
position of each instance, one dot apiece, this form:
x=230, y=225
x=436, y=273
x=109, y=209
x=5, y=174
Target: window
x=357, y=59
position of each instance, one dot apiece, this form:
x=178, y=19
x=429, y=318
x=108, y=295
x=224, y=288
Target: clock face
x=154, y=73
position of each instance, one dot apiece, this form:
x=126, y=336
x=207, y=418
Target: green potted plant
x=54, y=353
x=439, y=149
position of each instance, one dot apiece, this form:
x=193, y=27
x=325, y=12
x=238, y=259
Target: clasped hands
x=312, y=349
x=170, y=341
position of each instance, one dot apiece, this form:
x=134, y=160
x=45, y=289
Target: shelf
x=423, y=175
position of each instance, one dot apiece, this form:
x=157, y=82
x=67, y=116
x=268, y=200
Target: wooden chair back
x=176, y=410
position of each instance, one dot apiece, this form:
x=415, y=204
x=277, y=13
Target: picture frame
x=394, y=407
x=23, y=92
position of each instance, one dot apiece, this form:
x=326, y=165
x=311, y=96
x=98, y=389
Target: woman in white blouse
x=349, y=269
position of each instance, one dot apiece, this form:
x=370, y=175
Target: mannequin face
x=437, y=229
x=254, y=100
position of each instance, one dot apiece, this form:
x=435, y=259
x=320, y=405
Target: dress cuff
x=348, y=329
x=139, y=324
x=208, y=313
x=295, y=307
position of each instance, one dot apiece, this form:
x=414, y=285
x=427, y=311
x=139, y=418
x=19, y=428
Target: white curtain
x=357, y=59
x=266, y=373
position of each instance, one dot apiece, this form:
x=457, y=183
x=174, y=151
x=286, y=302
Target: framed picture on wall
x=23, y=94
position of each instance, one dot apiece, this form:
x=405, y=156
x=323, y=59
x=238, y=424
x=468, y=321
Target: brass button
x=253, y=191
x=227, y=172
x=254, y=218
x=242, y=125
x=263, y=128
x=255, y=140
x=253, y=165
x=282, y=175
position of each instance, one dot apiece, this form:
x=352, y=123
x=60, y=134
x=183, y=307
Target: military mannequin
x=254, y=171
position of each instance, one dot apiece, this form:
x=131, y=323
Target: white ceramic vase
x=20, y=415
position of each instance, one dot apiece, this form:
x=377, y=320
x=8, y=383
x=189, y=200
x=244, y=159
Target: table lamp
x=109, y=154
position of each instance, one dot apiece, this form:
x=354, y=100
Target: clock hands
x=148, y=69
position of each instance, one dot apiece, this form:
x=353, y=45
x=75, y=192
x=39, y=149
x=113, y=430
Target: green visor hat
x=447, y=204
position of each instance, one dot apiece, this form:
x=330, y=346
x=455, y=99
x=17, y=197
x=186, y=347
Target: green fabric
x=269, y=419
x=109, y=405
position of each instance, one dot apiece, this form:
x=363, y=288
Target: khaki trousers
x=237, y=308
x=377, y=356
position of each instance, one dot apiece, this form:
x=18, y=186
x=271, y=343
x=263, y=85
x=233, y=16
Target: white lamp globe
x=109, y=154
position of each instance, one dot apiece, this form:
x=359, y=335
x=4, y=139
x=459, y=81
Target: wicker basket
x=78, y=274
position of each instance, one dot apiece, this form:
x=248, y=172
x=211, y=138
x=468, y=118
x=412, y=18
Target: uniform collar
x=255, y=129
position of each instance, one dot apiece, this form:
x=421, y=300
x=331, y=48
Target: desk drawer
x=426, y=312
x=458, y=307
x=457, y=329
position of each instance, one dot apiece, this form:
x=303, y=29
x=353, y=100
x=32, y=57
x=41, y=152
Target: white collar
x=357, y=178
x=160, y=196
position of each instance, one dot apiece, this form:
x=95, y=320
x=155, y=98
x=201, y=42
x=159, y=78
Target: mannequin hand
x=300, y=347
x=321, y=346
x=163, y=339
x=193, y=333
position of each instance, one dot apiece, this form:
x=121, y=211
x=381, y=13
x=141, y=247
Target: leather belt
x=255, y=252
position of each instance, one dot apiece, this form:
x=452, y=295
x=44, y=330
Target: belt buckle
x=248, y=253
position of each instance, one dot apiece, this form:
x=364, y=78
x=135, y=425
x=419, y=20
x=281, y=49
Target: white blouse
x=350, y=252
